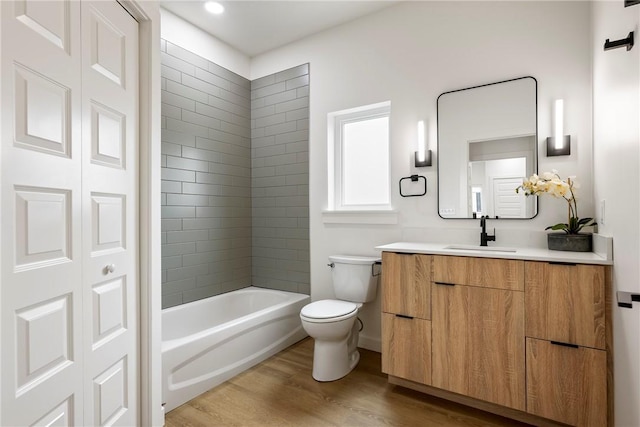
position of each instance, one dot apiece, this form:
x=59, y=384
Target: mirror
x=487, y=143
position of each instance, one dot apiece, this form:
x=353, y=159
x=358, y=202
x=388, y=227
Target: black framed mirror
x=487, y=143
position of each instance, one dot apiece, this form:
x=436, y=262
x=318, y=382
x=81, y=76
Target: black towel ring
x=414, y=178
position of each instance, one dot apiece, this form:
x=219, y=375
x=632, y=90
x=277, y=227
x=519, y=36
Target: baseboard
x=475, y=403
x=368, y=343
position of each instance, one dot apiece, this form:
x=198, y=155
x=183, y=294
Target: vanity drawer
x=406, y=284
x=567, y=384
x=483, y=272
x=406, y=348
x=565, y=303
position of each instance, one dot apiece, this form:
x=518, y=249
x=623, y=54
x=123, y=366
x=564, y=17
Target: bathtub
x=206, y=342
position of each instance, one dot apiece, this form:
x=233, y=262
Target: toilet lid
x=328, y=308
x=353, y=259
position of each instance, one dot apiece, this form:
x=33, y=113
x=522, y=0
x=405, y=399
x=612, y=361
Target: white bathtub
x=206, y=342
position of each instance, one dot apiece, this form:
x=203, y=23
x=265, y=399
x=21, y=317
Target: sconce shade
x=559, y=144
x=563, y=149
x=422, y=157
x=420, y=163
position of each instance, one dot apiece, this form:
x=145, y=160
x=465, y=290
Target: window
x=359, y=158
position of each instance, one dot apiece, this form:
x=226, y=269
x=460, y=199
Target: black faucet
x=484, y=237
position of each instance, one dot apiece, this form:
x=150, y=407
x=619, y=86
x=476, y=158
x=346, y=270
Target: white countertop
x=602, y=245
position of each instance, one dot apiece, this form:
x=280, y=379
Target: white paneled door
x=110, y=212
x=506, y=202
x=69, y=214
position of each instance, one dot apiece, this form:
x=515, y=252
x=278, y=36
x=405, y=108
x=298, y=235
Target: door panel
x=109, y=308
x=41, y=294
x=109, y=45
x=108, y=136
x=50, y=19
x=60, y=416
x=478, y=343
x=43, y=221
x=68, y=180
x=42, y=112
x=406, y=348
x=406, y=284
x=567, y=384
x=566, y=303
x=110, y=276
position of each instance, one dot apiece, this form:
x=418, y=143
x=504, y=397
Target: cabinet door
x=566, y=303
x=478, y=343
x=567, y=384
x=406, y=348
x=484, y=272
x=406, y=284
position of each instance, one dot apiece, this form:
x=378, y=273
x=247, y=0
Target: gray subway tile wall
x=206, y=170
x=234, y=179
x=280, y=180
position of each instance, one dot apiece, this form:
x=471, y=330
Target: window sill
x=360, y=217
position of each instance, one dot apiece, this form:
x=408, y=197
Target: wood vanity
x=527, y=339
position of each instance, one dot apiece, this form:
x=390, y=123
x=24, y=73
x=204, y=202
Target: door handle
x=626, y=298
x=109, y=268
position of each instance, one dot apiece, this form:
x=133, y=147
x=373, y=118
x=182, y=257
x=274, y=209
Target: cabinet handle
x=564, y=344
x=570, y=264
x=404, y=316
x=444, y=284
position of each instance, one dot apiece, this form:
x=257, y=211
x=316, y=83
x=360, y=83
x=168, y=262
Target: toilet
x=334, y=323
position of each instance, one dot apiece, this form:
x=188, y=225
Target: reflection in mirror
x=487, y=143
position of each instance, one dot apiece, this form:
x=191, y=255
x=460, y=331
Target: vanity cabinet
x=530, y=340
x=406, y=325
x=566, y=342
x=478, y=329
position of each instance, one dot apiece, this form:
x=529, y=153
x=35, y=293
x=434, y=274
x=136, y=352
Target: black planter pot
x=569, y=242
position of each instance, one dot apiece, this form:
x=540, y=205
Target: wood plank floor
x=281, y=392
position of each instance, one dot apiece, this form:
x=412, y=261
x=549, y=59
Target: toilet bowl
x=332, y=322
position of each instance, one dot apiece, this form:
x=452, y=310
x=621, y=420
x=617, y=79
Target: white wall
x=411, y=53
x=187, y=36
x=616, y=135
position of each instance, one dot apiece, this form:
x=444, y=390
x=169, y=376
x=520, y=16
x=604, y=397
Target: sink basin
x=480, y=248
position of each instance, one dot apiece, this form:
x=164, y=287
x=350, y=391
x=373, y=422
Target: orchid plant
x=551, y=183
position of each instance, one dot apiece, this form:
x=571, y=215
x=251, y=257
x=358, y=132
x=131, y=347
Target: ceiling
x=255, y=27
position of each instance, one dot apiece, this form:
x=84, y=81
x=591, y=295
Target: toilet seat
x=328, y=311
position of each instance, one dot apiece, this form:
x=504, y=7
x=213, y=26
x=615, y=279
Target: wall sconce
x=422, y=157
x=559, y=144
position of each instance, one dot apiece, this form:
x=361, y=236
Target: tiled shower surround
x=280, y=180
x=234, y=179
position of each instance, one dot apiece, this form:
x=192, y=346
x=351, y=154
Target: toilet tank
x=354, y=277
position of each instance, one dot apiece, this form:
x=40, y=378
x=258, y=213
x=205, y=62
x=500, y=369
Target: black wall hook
x=628, y=42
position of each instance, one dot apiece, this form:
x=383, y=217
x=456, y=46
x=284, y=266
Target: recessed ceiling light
x=214, y=7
